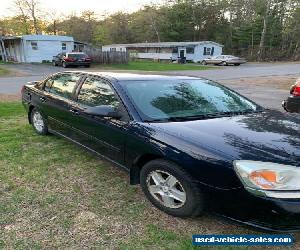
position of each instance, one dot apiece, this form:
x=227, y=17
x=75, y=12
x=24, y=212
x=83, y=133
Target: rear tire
x=204, y=62
x=171, y=189
x=87, y=66
x=38, y=122
x=236, y=64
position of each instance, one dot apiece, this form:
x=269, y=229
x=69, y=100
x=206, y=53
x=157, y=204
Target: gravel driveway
x=243, y=79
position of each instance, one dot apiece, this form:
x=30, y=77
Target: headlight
x=271, y=179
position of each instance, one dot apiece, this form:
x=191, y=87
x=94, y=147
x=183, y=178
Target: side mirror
x=103, y=111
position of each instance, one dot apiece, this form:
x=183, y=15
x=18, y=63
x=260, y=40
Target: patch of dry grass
x=279, y=82
x=7, y=97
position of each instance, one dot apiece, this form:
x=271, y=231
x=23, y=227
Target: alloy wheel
x=38, y=122
x=166, y=189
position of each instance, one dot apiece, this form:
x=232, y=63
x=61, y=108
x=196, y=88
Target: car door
x=216, y=59
x=55, y=104
x=101, y=134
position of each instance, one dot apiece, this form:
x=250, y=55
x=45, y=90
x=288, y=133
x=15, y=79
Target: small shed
x=191, y=51
x=34, y=48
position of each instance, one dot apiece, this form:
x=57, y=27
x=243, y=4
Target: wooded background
x=256, y=29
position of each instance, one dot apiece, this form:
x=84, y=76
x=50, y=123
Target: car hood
x=264, y=136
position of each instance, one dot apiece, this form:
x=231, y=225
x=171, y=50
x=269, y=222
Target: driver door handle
x=74, y=111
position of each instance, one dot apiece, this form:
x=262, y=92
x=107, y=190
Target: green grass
x=154, y=66
x=3, y=71
x=54, y=194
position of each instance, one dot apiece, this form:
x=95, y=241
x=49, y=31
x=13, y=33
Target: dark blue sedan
x=192, y=144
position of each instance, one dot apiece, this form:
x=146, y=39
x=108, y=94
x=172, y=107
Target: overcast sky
x=69, y=6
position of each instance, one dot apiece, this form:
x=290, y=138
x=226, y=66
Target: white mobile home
x=35, y=48
x=192, y=51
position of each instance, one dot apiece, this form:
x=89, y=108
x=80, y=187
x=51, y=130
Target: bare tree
x=20, y=7
x=32, y=9
x=54, y=19
x=28, y=8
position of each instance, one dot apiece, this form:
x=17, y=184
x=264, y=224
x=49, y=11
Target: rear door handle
x=43, y=99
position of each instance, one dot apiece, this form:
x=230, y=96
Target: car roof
x=81, y=53
x=135, y=77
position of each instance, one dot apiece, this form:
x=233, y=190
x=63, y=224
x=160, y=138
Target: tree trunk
x=35, y=23
x=54, y=28
x=32, y=5
x=261, y=50
x=153, y=24
x=296, y=50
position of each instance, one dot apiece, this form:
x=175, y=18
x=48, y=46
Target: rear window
x=77, y=56
x=62, y=85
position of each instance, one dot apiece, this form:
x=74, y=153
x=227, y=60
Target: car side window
x=95, y=92
x=62, y=84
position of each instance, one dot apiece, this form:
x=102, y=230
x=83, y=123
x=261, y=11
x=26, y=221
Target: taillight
x=295, y=91
x=88, y=59
x=69, y=59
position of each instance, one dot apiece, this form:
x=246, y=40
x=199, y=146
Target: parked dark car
x=292, y=103
x=192, y=144
x=71, y=59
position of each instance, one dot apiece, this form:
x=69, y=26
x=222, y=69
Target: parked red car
x=292, y=103
x=71, y=59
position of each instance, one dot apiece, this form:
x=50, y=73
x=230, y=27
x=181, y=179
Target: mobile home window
x=190, y=50
x=63, y=46
x=34, y=45
x=207, y=51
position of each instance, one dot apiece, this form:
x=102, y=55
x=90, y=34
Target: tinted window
x=96, y=92
x=62, y=84
x=77, y=56
x=181, y=98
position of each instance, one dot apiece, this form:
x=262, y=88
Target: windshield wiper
x=180, y=118
x=203, y=116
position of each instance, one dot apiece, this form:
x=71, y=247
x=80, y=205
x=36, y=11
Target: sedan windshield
x=184, y=99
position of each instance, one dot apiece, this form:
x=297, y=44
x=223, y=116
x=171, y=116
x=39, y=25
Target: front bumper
x=261, y=212
x=292, y=104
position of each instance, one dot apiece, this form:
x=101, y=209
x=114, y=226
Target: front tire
x=64, y=65
x=171, y=189
x=54, y=63
x=38, y=122
x=204, y=62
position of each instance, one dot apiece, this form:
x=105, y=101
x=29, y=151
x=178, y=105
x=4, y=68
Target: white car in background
x=224, y=60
